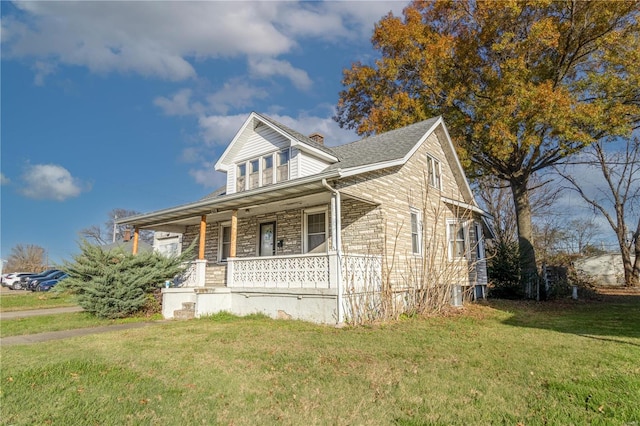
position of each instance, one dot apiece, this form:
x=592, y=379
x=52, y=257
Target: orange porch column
x=136, y=236
x=234, y=233
x=203, y=236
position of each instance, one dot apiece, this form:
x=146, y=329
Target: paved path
x=56, y=335
x=37, y=312
x=65, y=334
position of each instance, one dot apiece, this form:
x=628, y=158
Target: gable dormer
x=265, y=152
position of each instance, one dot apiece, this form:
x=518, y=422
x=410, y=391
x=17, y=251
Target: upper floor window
x=283, y=165
x=241, y=179
x=416, y=243
x=267, y=169
x=254, y=174
x=434, y=171
x=259, y=171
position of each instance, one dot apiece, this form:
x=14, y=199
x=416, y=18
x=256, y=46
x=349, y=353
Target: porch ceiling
x=249, y=203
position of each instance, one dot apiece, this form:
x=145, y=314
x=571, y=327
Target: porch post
x=234, y=233
x=201, y=262
x=136, y=236
x=203, y=237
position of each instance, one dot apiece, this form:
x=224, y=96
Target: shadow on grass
x=603, y=317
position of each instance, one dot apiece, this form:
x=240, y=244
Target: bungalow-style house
x=301, y=228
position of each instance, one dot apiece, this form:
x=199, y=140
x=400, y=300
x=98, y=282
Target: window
x=315, y=231
x=241, y=178
x=267, y=170
x=433, y=167
x=254, y=174
x=416, y=247
x=479, y=242
x=283, y=165
x=225, y=242
x=457, y=242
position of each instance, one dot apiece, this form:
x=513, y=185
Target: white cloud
x=162, y=39
x=268, y=67
x=207, y=176
x=220, y=129
x=235, y=93
x=179, y=104
x=4, y=180
x=50, y=181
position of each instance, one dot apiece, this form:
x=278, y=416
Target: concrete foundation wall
x=314, y=305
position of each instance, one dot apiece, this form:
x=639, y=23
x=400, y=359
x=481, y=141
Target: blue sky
x=129, y=104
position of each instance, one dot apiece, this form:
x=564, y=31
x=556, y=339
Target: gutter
x=336, y=240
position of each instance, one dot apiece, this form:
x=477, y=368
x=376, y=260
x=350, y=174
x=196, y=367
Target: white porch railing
x=359, y=272
x=296, y=271
x=193, y=275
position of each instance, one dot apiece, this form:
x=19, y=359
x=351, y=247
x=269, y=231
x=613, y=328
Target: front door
x=268, y=239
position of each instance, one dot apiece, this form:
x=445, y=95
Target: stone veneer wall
x=398, y=190
x=288, y=228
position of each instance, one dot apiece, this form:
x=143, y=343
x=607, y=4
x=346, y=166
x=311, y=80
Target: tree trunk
x=528, y=267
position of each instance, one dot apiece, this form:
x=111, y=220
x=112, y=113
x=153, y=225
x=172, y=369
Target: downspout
x=336, y=231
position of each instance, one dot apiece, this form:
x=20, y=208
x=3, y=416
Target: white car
x=13, y=280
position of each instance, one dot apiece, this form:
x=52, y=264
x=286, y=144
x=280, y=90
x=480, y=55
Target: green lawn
x=501, y=363
x=21, y=301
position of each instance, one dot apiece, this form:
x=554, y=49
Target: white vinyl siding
x=310, y=165
x=257, y=144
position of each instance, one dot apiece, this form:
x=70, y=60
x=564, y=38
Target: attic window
x=435, y=172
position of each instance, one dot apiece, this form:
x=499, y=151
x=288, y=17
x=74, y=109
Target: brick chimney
x=127, y=235
x=317, y=137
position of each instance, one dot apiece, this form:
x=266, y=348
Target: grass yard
x=500, y=363
x=20, y=301
x=58, y=322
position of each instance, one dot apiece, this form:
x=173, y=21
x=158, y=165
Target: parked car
x=24, y=281
x=49, y=284
x=12, y=281
x=32, y=282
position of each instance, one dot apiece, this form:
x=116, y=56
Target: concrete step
x=188, y=311
x=184, y=314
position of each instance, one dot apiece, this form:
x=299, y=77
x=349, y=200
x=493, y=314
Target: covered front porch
x=276, y=252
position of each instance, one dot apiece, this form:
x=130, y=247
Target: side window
x=457, y=241
x=241, y=177
x=479, y=242
x=283, y=165
x=434, y=171
x=416, y=243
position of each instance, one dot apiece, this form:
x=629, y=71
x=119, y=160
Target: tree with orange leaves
x=521, y=84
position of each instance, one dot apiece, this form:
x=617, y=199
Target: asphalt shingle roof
x=388, y=146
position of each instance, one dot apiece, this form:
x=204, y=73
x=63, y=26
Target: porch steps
x=188, y=311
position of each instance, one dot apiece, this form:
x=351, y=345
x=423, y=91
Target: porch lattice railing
x=298, y=271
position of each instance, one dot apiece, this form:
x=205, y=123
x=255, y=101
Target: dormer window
x=241, y=178
x=259, y=171
x=283, y=165
x=254, y=174
x=267, y=169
